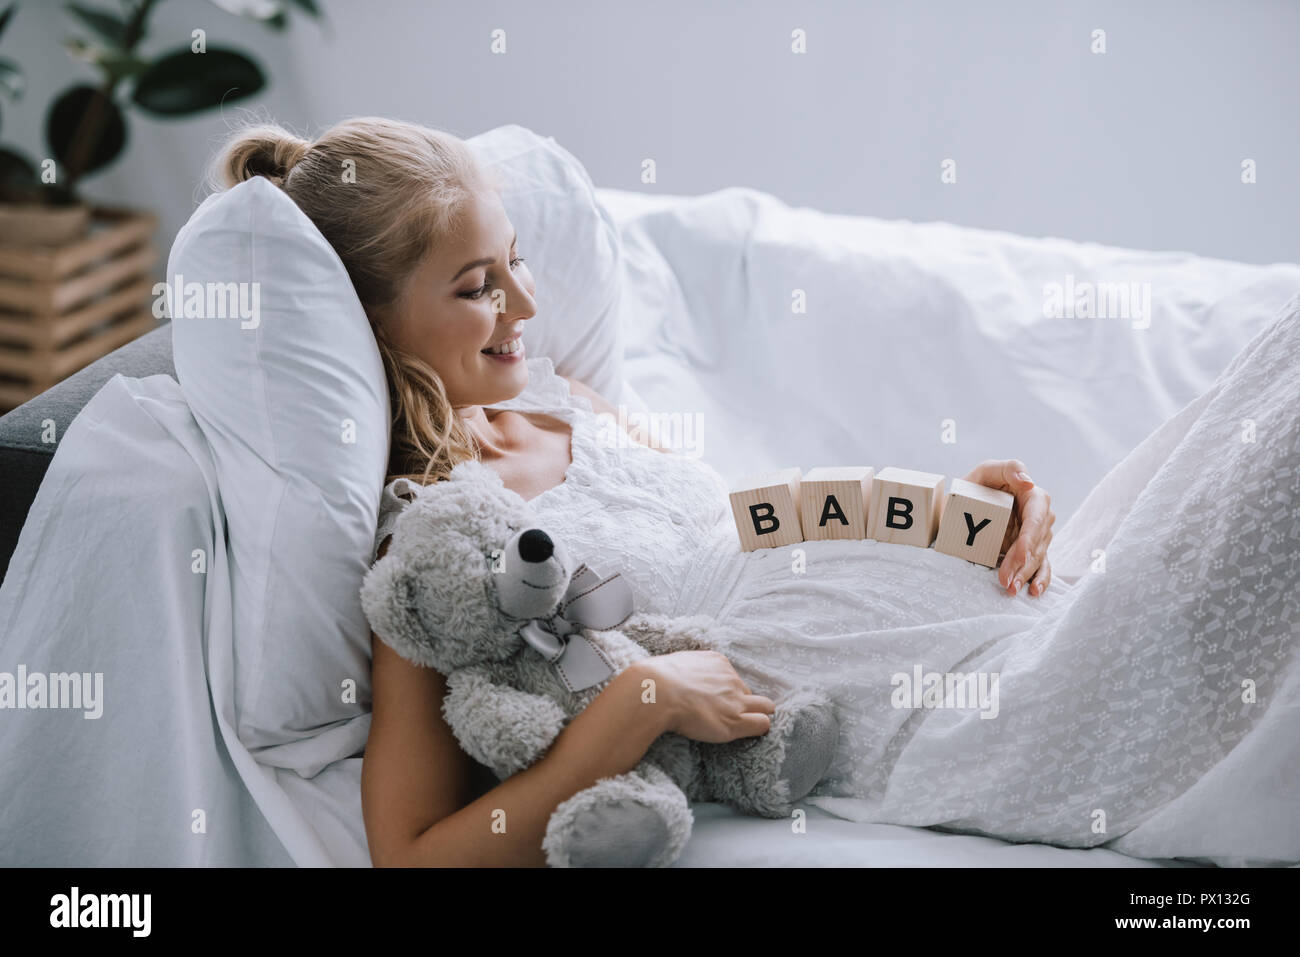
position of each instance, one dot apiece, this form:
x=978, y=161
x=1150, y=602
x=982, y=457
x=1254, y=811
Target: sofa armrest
x=24, y=457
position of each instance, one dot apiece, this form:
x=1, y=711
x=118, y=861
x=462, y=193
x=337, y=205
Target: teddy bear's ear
x=472, y=470
x=478, y=489
x=389, y=604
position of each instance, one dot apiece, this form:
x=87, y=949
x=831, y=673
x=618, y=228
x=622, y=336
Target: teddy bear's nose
x=535, y=545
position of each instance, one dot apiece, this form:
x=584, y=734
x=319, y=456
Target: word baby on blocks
x=898, y=506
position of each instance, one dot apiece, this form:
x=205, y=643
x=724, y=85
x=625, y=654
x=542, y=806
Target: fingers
x=1029, y=551
x=1009, y=475
x=1030, y=530
x=1015, y=477
x=1042, y=579
x=757, y=703
x=751, y=725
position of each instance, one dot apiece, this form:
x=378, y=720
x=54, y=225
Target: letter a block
x=905, y=507
x=974, y=522
x=766, y=509
x=833, y=502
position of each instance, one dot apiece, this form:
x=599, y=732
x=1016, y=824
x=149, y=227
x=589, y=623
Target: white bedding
x=1153, y=707
x=724, y=838
x=909, y=325
x=99, y=584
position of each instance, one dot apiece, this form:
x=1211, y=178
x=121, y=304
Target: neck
x=481, y=422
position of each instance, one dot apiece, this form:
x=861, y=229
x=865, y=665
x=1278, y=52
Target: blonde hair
x=409, y=186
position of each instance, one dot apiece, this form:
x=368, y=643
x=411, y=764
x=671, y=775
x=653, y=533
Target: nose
x=521, y=304
x=535, y=546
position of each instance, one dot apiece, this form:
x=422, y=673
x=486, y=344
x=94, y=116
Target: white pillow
x=295, y=408
x=572, y=246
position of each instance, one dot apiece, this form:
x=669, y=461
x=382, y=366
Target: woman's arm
x=602, y=406
x=416, y=781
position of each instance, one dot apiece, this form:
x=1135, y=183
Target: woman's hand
x=705, y=699
x=1030, y=530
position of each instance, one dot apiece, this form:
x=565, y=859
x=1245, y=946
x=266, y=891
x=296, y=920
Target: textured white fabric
x=629, y=503
x=1120, y=718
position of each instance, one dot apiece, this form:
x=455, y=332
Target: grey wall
x=1140, y=146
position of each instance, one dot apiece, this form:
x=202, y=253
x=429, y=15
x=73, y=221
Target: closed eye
x=481, y=290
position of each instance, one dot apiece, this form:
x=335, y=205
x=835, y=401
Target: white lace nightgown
x=850, y=617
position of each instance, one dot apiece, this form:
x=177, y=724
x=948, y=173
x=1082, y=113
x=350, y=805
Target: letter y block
x=974, y=522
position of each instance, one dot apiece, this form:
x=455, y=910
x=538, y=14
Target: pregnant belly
x=826, y=588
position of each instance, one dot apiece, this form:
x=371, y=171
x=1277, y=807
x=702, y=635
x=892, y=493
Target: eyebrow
x=482, y=262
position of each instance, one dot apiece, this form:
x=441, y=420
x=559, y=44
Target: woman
x=434, y=258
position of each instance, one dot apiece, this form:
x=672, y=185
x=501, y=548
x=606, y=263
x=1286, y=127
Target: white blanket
x=1156, y=710
x=105, y=580
x=921, y=345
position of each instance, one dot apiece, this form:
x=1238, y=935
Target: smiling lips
x=508, y=347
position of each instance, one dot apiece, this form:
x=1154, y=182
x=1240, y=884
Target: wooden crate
x=63, y=307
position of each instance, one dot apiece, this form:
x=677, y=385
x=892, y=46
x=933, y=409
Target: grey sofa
x=24, y=457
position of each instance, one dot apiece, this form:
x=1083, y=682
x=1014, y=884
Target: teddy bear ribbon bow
x=589, y=602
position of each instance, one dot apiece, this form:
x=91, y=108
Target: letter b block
x=766, y=509
x=834, y=501
x=974, y=522
x=905, y=507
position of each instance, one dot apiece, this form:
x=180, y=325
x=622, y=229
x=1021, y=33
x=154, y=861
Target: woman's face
x=470, y=293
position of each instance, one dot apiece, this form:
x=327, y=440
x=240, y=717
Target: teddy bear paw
x=809, y=749
x=622, y=833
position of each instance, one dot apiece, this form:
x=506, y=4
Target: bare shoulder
x=598, y=402
x=601, y=405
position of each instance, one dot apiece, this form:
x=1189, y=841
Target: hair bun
x=264, y=150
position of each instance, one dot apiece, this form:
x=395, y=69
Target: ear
x=387, y=598
x=478, y=489
x=472, y=470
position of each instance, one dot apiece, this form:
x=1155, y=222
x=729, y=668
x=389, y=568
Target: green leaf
x=16, y=168
x=85, y=111
x=115, y=64
x=11, y=79
x=184, y=82
x=7, y=15
x=107, y=26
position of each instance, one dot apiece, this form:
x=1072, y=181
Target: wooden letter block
x=905, y=507
x=766, y=509
x=974, y=522
x=833, y=502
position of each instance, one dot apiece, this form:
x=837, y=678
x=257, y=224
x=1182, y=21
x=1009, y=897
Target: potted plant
x=74, y=280
x=46, y=215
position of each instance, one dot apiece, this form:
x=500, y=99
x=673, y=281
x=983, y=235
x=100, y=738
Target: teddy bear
x=526, y=636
